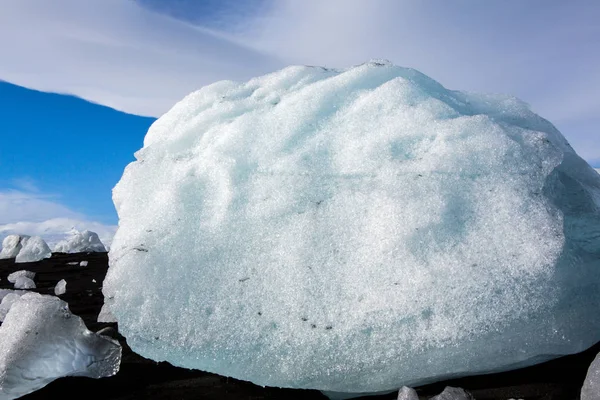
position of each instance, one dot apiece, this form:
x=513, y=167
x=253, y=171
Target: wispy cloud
x=34, y=213
x=116, y=53
x=121, y=54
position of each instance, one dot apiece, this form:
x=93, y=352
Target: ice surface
x=407, y=393
x=106, y=315
x=60, y=288
x=11, y=245
x=355, y=231
x=7, y=301
x=40, y=341
x=12, y=278
x=23, y=282
x=591, y=385
x=34, y=249
x=80, y=242
x=453, y=393
x=83, y=264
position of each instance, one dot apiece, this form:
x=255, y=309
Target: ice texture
x=60, y=288
x=7, y=301
x=23, y=282
x=591, y=385
x=11, y=245
x=34, y=249
x=407, y=393
x=453, y=393
x=40, y=341
x=354, y=231
x=106, y=315
x=80, y=242
x=12, y=278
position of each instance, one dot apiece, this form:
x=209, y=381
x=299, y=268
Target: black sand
x=140, y=378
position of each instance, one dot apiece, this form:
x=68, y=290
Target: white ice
x=80, y=242
x=7, y=301
x=34, y=249
x=12, y=278
x=83, y=264
x=11, y=245
x=591, y=385
x=453, y=393
x=354, y=231
x=40, y=341
x=106, y=315
x=407, y=393
x=23, y=282
x=60, y=288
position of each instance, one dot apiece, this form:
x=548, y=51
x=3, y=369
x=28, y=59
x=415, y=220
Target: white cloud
x=116, y=53
x=119, y=54
x=41, y=215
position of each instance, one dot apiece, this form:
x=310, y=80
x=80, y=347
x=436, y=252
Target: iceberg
x=80, y=242
x=40, y=341
x=354, y=231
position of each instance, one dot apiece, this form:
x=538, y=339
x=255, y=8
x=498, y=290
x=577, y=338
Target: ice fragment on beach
x=60, y=288
x=24, y=282
x=12, y=278
x=11, y=245
x=80, y=242
x=591, y=385
x=40, y=341
x=453, y=393
x=83, y=264
x=407, y=393
x=354, y=231
x=33, y=249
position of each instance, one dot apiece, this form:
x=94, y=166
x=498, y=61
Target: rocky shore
x=141, y=378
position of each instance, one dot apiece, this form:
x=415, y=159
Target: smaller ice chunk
x=93, y=281
x=60, y=288
x=407, y=393
x=81, y=242
x=83, y=264
x=73, y=263
x=7, y=302
x=41, y=340
x=34, y=249
x=24, y=282
x=11, y=245
x=106, y=315
x=591, y=385
x=12, y=278
x=453, y=393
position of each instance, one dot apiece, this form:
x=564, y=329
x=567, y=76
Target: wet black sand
x=140, y=378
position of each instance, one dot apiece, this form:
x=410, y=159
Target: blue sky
x=61, y=155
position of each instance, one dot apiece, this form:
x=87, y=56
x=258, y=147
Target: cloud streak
x=120, y=54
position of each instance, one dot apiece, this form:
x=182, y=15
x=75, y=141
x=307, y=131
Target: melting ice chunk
x=34, y=249
x=60, y=288
x=12, y=278
x=80, y=242
x=339, y=229
x=105, y=314
x=11, y=245
x=407, y=393
x=83, y=264
x=40, y=341
x=591, y=385
x=23, y=282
